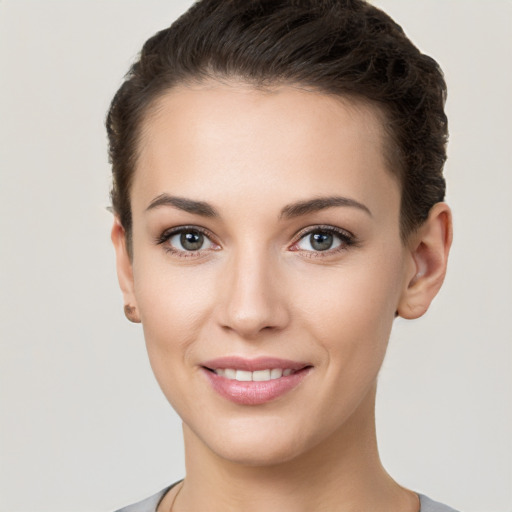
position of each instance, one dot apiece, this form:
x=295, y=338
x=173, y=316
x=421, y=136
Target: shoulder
x=149, y=504
x=428, y=505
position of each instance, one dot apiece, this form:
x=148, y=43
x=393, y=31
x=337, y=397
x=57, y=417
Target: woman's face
x=266, y=238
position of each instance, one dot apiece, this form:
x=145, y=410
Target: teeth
x=258, y=375
x=243, y=375
x=228, y=373
x=276, y=373
x=261, y=375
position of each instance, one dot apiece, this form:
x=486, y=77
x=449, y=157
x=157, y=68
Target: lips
x=254, y=381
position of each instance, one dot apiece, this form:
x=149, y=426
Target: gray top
x=150, y=504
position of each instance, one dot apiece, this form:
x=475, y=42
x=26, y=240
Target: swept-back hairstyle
x=347, y=48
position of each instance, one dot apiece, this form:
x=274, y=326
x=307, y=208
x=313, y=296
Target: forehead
x=235, y=138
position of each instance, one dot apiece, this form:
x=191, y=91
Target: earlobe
x=429, y=250
x=124, y=271
x=131, y=313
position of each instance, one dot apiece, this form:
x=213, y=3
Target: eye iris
x=321, y=241
x=192, y=240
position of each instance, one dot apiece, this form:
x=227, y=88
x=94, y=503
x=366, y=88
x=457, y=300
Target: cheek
x=349, y=318
x=350, y=312
x=173, y=304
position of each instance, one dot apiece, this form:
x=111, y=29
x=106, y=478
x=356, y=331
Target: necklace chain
x=175, y=496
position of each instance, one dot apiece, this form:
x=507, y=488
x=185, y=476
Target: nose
x=253, y=296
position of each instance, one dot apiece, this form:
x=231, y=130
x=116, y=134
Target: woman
x=278, y=200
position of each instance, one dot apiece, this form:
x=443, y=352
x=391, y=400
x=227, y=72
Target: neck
x=342, y=473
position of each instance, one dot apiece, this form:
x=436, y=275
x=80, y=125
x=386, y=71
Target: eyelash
x=168, y=234
x=346, y=238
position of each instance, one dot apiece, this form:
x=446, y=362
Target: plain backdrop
x=83, y=424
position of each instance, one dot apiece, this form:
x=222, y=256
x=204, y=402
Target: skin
x=259, y=289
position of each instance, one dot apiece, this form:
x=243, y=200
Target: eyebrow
x=188, y=205
x=292, y=210
x=320, y=203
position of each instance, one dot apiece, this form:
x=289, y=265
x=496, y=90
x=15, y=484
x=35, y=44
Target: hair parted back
x=347, y=48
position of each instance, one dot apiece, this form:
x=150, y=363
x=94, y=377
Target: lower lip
x=254, y=392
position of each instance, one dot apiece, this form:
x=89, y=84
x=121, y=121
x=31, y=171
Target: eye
x=323, y=239
x=189, y=241
x=319, y=241
x=186, y=240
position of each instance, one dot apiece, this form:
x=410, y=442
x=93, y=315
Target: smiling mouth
x=254, y=382
x=255, y=376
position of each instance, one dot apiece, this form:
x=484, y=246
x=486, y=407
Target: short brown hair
x=340, y=47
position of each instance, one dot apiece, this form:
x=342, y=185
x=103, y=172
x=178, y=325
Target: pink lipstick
x=254, y=381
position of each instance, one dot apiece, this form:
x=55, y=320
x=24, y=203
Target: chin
x=263, y=453
x=254, y=441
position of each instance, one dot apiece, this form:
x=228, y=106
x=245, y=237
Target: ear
x=429, y=248
x=124, y=271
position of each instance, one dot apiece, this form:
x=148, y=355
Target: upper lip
x=252, y=365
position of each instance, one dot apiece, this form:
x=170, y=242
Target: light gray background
x=83, y=425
